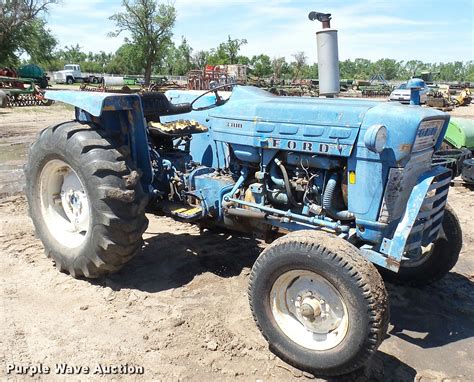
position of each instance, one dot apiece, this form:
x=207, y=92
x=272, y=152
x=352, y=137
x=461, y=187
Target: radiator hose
x=328, y=199
x=286, y=182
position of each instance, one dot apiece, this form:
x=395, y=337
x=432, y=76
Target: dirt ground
x=180, y=310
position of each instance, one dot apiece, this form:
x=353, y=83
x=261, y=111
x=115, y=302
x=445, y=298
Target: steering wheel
x=219, y=100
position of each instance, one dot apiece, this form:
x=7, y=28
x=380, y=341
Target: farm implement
x=21, y=92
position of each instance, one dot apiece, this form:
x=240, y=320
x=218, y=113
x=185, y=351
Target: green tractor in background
x=35, y=73
x=458, y=147
x=460, y=134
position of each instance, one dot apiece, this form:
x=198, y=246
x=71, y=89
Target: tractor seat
x=177, y=128
x=156, y=104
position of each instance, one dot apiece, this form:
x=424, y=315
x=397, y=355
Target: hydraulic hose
x=287, y=183
x=328, y=199
x=275, y=177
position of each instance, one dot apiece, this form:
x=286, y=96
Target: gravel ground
x=180, y=310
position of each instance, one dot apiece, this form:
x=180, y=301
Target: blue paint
x=396, y=246
x=119, y=112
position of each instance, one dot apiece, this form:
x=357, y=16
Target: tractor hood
x=249, y=103
x=331, y=126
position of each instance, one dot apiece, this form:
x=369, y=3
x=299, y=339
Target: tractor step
x=183, y=212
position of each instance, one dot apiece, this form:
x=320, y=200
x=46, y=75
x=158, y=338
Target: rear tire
x=435, y=263
x=85, y=199
x=314, y=271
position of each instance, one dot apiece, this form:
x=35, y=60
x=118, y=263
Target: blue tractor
x=343, y=190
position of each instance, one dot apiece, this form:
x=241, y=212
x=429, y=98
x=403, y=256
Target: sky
x=428, y=30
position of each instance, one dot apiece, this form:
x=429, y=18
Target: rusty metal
x=208, y=78
x=17, y=95
x=324, y=18
x=159, y=86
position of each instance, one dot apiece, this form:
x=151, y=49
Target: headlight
x=375, y=138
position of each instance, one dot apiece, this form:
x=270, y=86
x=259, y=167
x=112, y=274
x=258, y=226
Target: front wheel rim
x=64, y=203
x=309, y=310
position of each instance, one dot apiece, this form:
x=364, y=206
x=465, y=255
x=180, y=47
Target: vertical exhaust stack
x=328, y=55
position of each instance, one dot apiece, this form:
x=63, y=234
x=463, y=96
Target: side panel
x=315, y=139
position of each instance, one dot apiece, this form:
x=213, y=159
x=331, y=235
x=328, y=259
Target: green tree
x=347, y=69
x=179, y=59
x=280, y=67
x=299, y=63
x=72, y=54
x=363, y=68
x=200, y=59
x=232, y=48
x=151, y=27
x=388, y=67
x=23, y=30
x=470, y=71
x=310, y=71
x=126, y=60
x=452, y=71
x=411, y=67
x=243, y=60
x=227, y=52
x=261, y=65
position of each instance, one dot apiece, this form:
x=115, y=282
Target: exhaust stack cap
x=325, y=18
x=328, y=55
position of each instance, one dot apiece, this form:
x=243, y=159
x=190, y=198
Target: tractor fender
x=119, y=112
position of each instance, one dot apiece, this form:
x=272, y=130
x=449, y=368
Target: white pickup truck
x=72, y=73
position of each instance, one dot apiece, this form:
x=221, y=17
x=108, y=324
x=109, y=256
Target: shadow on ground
x=172, y=260
x=428, y=317
x=435, y=315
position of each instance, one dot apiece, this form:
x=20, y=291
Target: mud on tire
x=355, y=279
x=115, y=199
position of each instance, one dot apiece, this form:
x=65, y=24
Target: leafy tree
x=299, y=63
x=71, y=54
x=227, y=52
x=310, y=71
x=23, y=30
x=150, y=25
x=452, y=71
x=411, y=67
x=232, y=48
x=470, y=71
x=126, y=60
x=178, y=59
x=280, y=67
x=363, y=68
x=347, y=69
x=262, y=65
x=217, y=56
x=243, y=60
x=389, y=68
x=200, y=59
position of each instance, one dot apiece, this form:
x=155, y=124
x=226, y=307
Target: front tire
x=320, y=305
x=85, y=199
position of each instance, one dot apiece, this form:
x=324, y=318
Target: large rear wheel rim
x=64, y=203
x=309, y=310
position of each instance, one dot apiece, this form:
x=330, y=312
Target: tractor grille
x=428, y=222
